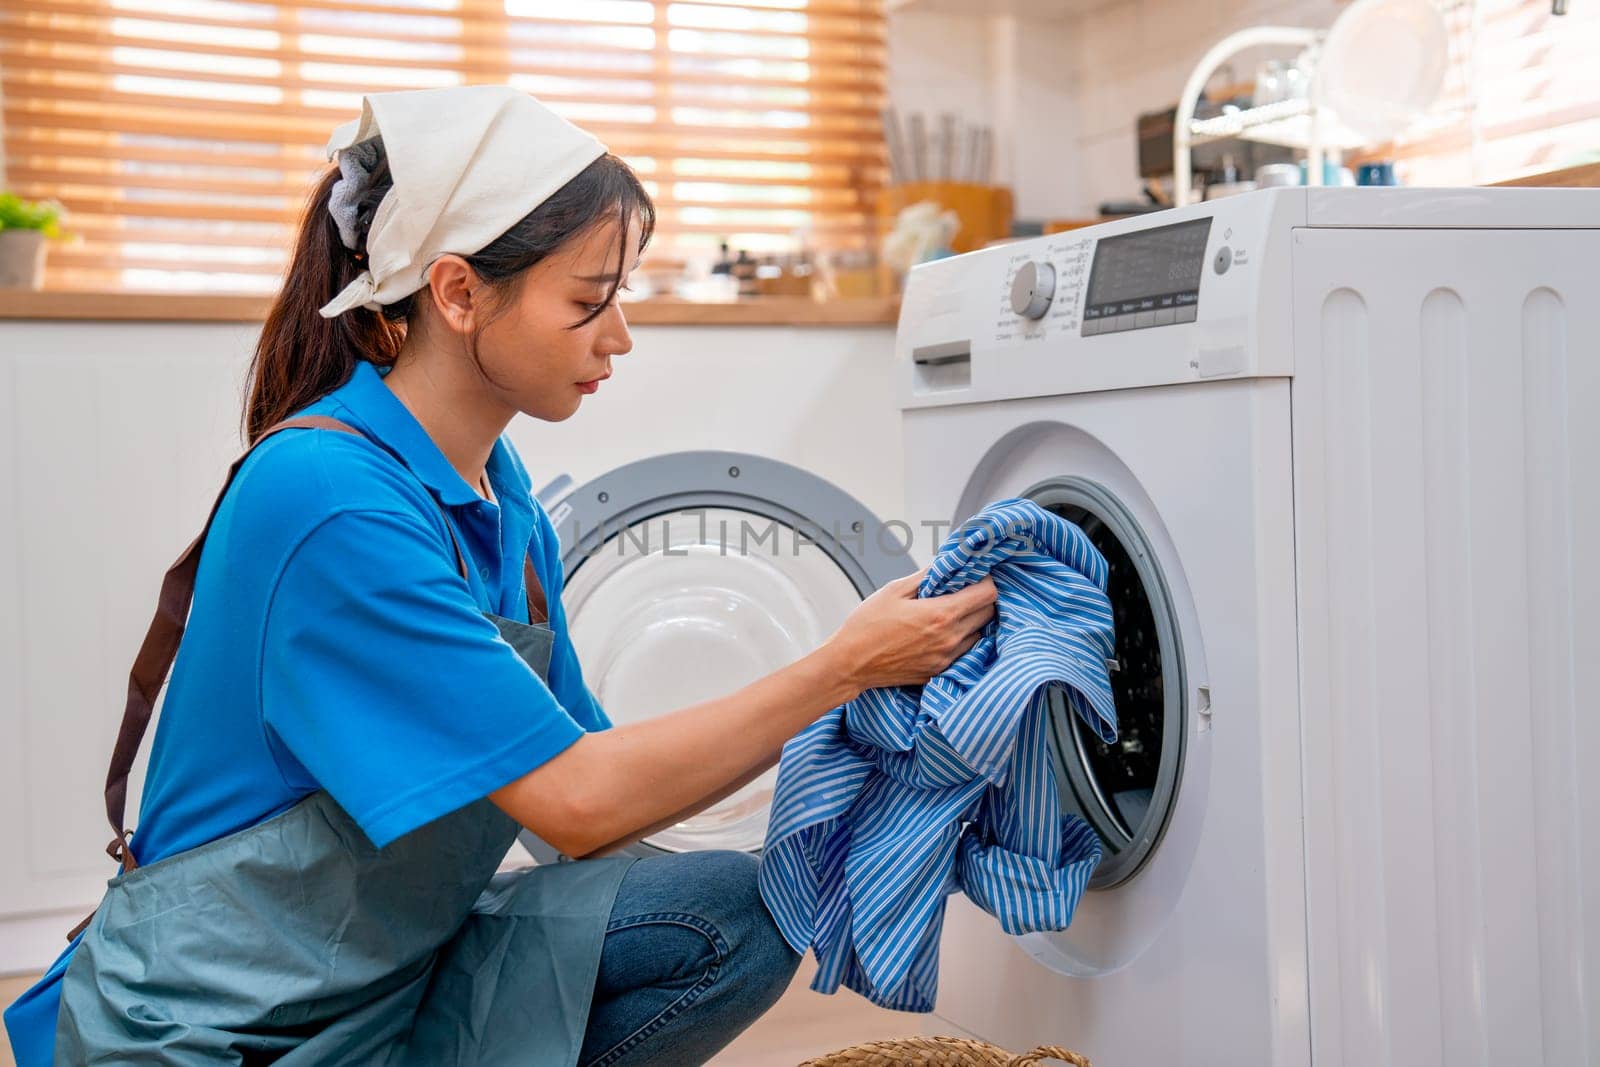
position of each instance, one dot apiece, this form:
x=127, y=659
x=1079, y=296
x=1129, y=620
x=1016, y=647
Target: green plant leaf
x=19, y=214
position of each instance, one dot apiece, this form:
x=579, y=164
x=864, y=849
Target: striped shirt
x=889, y=803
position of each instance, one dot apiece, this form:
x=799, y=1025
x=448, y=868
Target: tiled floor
x=802, y=1024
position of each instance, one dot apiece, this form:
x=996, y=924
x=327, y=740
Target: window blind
x=183, y=135
x=1521, y=97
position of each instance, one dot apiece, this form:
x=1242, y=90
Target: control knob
x=1032, y=289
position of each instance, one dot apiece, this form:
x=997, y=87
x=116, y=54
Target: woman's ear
x=458, y=293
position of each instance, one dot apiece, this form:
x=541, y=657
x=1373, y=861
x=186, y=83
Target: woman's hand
x=894, y=638
x=617, y=785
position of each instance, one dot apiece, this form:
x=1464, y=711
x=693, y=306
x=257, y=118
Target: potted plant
x=24, y=227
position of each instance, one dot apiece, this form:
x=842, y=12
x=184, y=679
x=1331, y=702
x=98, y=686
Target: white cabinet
x=112, y=440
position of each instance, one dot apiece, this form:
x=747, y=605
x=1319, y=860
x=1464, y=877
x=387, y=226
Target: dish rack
x=1302, y=123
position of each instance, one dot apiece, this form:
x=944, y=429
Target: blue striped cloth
x=889, y=803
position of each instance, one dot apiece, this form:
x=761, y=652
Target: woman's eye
x=592, y=308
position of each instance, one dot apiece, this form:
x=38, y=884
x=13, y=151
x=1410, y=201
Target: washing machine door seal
x=1124, y=790
x=691, y=574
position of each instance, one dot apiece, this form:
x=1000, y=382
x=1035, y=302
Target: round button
x=1224, y=260
x=1032, y=289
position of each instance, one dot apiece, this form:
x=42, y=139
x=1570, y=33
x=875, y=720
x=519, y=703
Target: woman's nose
x=619, y=340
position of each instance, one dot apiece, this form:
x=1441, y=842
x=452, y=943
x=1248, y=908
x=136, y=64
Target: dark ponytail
x=302, y=357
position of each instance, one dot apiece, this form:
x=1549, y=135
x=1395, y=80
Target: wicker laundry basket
x=941, y=1052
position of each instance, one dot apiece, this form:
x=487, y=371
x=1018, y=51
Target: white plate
x=1383, y=64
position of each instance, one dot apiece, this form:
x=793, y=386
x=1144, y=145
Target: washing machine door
x=690, y=575
x=1129, y=791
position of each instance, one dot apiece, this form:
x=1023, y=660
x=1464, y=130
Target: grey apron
x=296, y=942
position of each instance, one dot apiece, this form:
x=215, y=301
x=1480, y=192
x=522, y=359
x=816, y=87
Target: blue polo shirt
x=333, y=644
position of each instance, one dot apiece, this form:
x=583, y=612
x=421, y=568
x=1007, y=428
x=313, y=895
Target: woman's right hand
x=894, y=638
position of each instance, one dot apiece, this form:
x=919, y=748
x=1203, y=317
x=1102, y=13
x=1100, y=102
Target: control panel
x=1189, y=294
x=1130, y=281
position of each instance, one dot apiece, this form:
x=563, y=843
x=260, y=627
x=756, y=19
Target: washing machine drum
x=691, y=575
x=1126, y=789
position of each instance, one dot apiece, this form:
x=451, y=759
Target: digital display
x=1147, y=278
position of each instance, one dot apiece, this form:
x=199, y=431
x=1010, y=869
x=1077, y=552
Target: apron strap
x=160, y=647
x=538, y=610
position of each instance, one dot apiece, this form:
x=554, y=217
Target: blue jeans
x=691, y=958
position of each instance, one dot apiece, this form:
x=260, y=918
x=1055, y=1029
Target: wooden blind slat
x=828, y=229
x=47, y=71
x=464, y=52
x=464, y=42
x=226, y=174
x=95, y=256
x=471, y=28
x=111, y=204
x=861, y=80
x=120, y=228
x=98, y=142
x=288, y=194
x=863, y=154
x=262, y=122
x=45, y=84
x=93, y=159
x=188, y=232
x=224, y=211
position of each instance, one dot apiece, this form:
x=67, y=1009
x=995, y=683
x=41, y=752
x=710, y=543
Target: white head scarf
x=467, y=164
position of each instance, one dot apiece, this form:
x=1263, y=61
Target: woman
x=359, y=719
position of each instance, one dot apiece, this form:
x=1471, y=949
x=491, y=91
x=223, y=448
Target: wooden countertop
x=1583, y=176
x=177, y=307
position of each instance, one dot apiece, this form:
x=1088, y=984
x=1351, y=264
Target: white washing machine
x=1338, y=446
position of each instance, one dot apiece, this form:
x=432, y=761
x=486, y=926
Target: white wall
x=940, y=61
x=1001, y=70
x=113, y=441
x=1065, y=93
